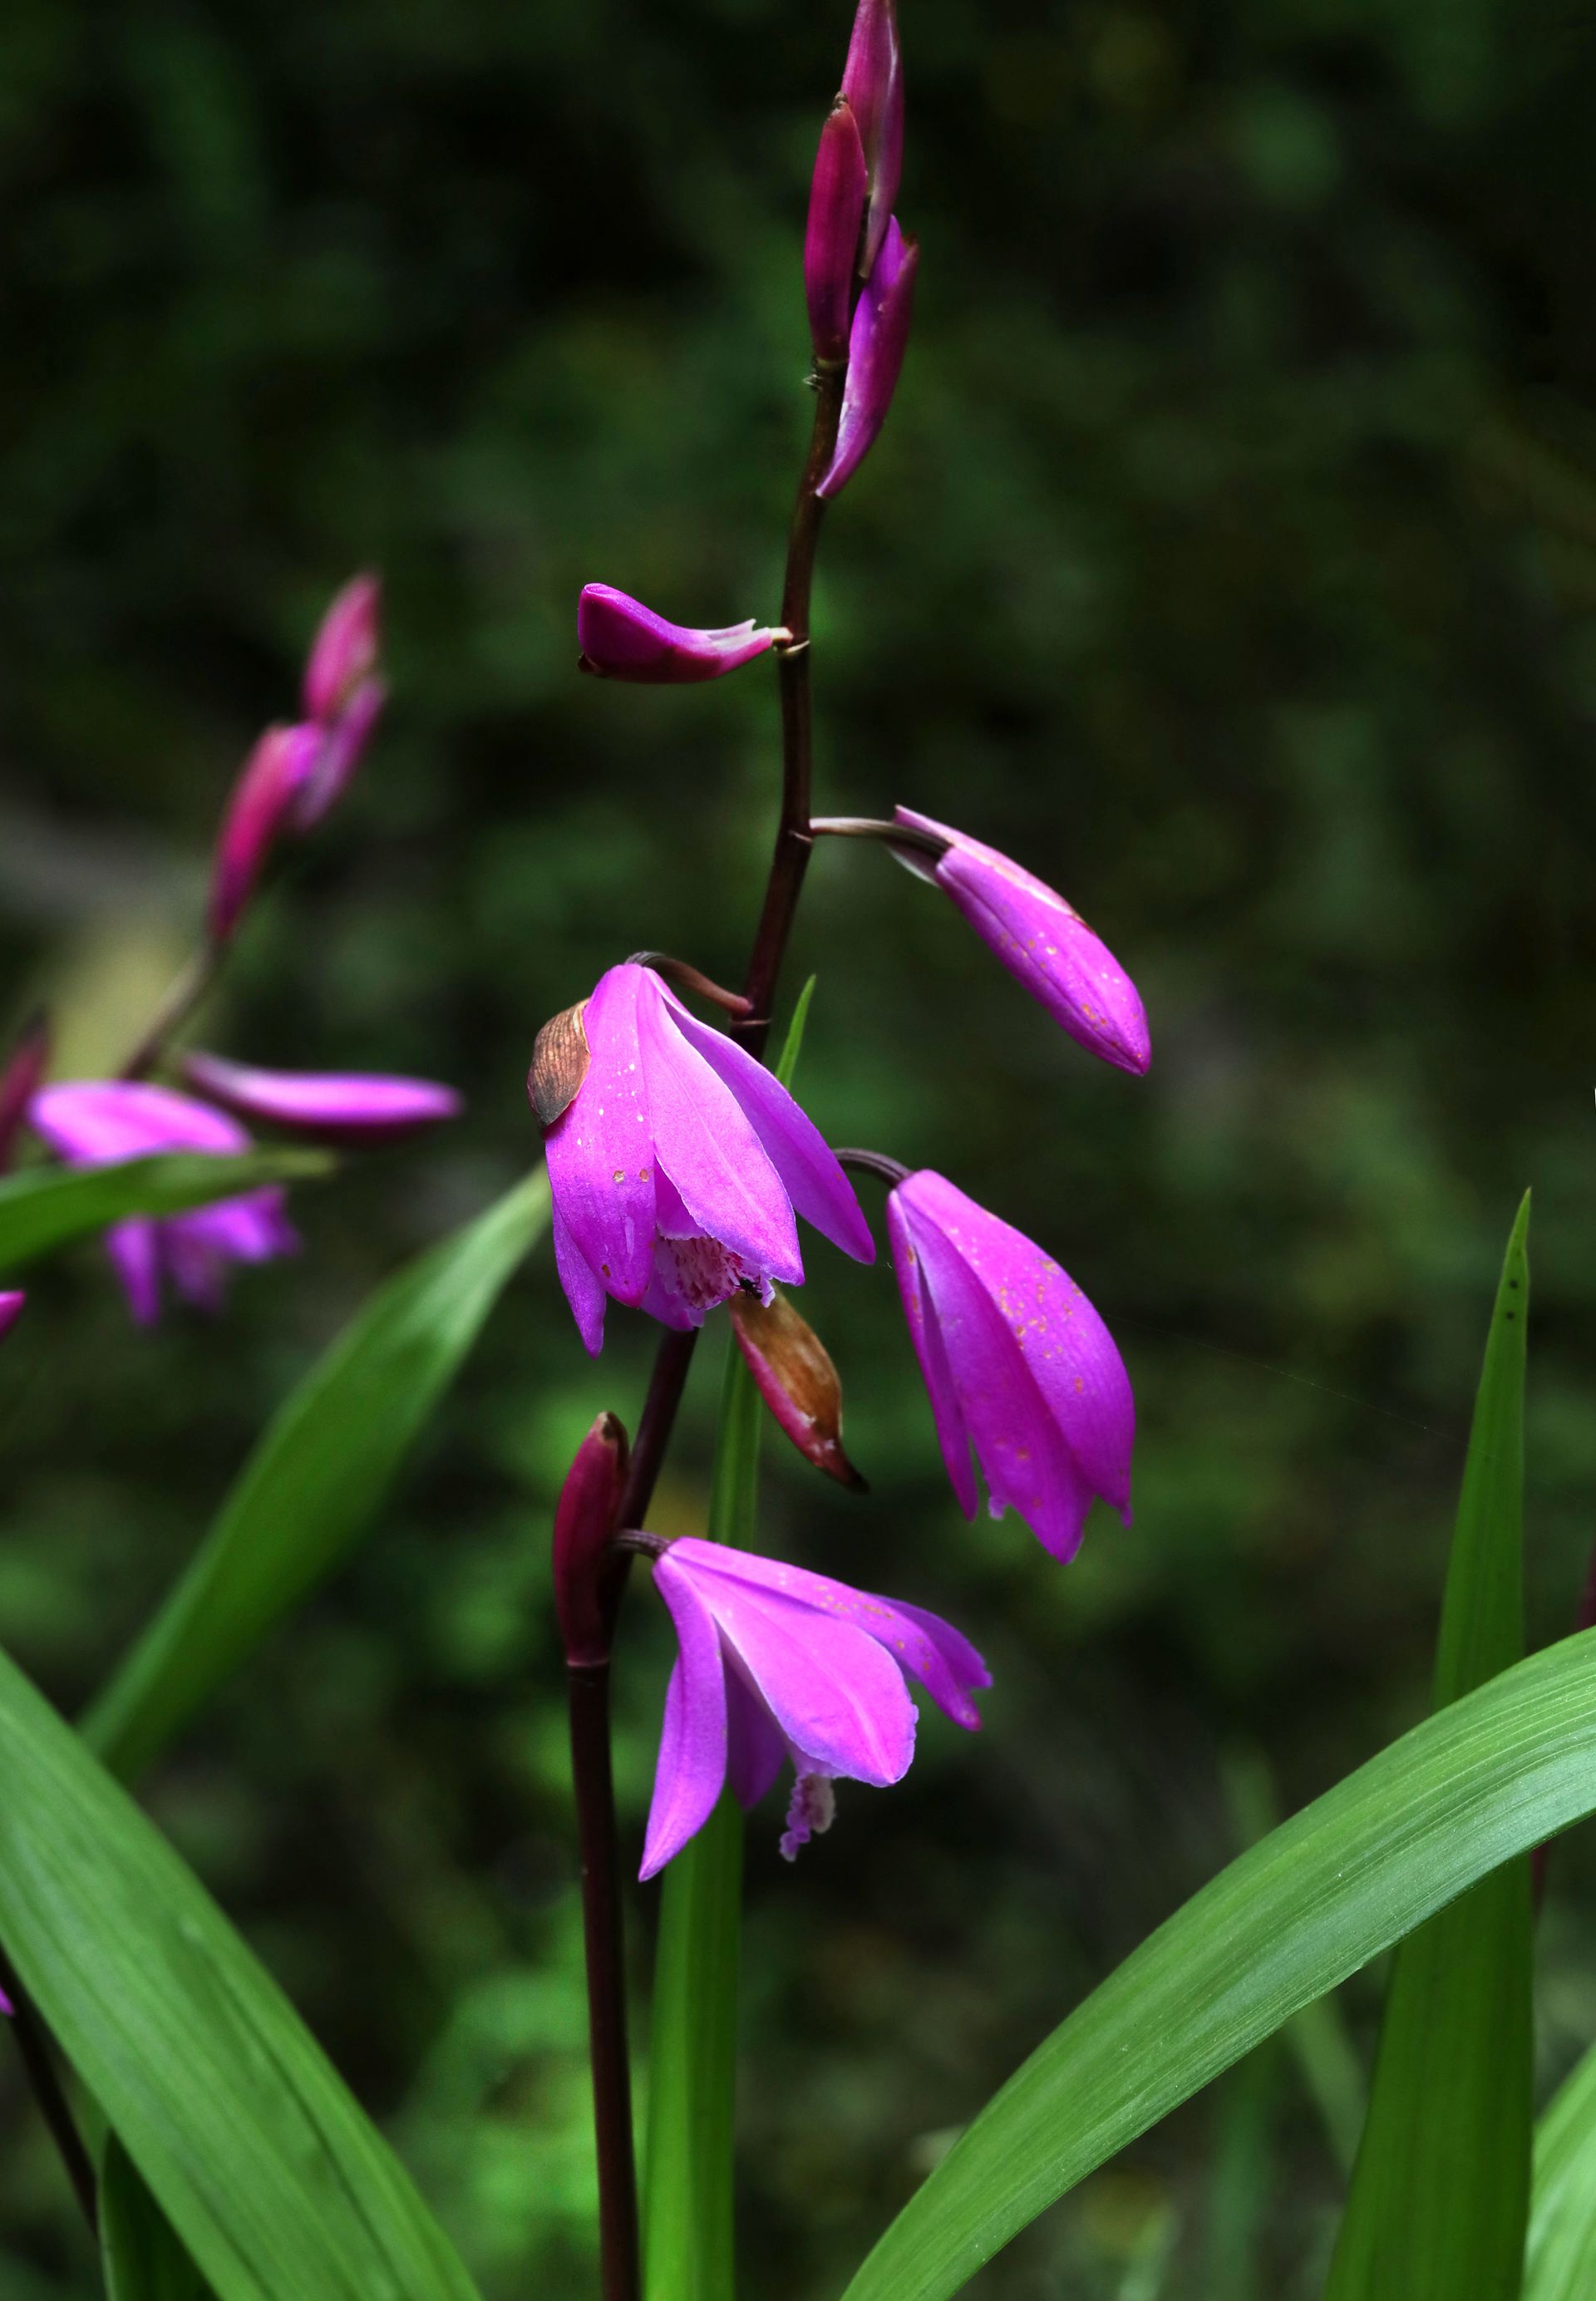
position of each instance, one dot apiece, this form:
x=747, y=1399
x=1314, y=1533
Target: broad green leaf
x=1561, y=2261
x=316, y=1478
x=49, y=1207
x=143, y=2258
x=1483, y=1780
x=267, y=2170
x=1439, y=2193
x=688, y=2164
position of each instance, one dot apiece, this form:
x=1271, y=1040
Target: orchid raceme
x=1043, y=942
x=96, y=1122
x=876, y=344
x=621, y=638
x=776, y=1664
x=1021, y=1371
x=349, y=1108
x=679, y=1165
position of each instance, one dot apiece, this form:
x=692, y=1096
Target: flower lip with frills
x=1045, y=945
x=1021, y=1371
x=778, y=1664
x=678, y=1165
x=99, y=1122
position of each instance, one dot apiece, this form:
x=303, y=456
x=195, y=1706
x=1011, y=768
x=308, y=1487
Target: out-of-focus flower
x=793, y=1373
x=1019, y=1366
x=262, y=805
x=99, y=1122
x=584, y=1525
x=11, y=1310
x=875, y=350
x=1045, y=944
x=21, y=1079
x=872, y=83
x=679, y=1165
x=837, y=192
x=353, y=1108
x=621, y=638
x=343, y=695
x=779, y=1664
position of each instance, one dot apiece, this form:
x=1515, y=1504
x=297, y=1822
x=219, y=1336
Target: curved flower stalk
x=621, y=638
x=678, y=1165
x=97, y=1122
x=780, y=1666
x=11, y=1310
x=356, y=1110
x=1021, y=1371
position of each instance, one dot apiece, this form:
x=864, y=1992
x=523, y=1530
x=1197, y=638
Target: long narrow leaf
x=1349, y=1875
x=316, y=1478
x=143, y=2258
x=272, y=2175
x=1440, y=2195
x=1561, y=2261
x=687, y=2205
x=49, y=1207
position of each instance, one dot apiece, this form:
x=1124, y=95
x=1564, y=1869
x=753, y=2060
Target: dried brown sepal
x=560, y=1059
x=793, y=1371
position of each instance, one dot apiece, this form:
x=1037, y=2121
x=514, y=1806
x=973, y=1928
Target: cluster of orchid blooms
x=679, y=1167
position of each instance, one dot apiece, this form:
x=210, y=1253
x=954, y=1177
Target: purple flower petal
x=135, y=1256
x=341, y=747
x=872, y=83
x=692, y=1747
x=354, y=1107
x=926, y=1335
x=11, y=1309
x=601, y=1152
x=344, y=652
x=91, y=1121
x=1044, y=943
x=876, y=346
x=837, y=195
x=583, y=1290
x=621, y=638
x=757, y=1745
x=260, y=807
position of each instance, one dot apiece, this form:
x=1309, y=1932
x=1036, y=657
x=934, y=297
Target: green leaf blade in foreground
x=1483, y=1780
x=1439, y=2195
x=315, y=1478
x=143, y=2258
x=277, y=2183
x=689, y=2220
x=50, y=1206
x=1561, y=2261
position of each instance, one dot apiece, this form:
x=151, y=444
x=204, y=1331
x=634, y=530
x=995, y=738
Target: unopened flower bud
x=621, y=638
x=359, y=1108
x=837, y=193
x=876, y=346
x=872, y=83
x=11, y=1310
x=586, y=1522
x=793, y=1371
x=262, y=805
x=343, y=655
x=20, y=1080
x=560, y=1060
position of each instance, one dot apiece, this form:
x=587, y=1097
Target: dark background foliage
x=1230, y=558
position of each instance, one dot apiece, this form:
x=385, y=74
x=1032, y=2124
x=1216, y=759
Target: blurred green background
x=1230, y=558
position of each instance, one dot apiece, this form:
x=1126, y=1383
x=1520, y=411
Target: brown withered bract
x=560, y=1059
x=796, y=1380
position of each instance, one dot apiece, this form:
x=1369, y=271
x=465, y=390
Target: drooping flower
x=97, y=1122
x=775, y=1664
x=872, y=83
x=837, y=193
x=1044, y=943
x=621, y=638
x=679, y=1164
x=353, y=1107
x=876, y=344
x=11, y=1310
x=1021, y=1370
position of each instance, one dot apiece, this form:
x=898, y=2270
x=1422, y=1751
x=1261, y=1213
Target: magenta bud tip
x=586, y=1522
x=621, y=638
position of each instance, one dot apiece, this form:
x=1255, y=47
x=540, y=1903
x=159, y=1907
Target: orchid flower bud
x=793, y=1372
x=261, y=806
x=837, y=195
x=343, y=654
x=876, y=346
x=11, y=1310
x=357, y=1107
x=585, y=1522
x=621, y=638
x=342, y=746
x=872, y=83
x=20, y=1080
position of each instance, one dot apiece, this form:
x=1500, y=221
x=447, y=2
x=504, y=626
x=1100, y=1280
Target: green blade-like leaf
x=143, y=2258
x=1483, y=1780
x=688, y=2163
x=1561, y=2264
x=276, y=2181
x=49, y=1207
x=1439, y=2195
x=316, y=1478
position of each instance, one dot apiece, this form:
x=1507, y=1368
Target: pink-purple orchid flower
x=678, y=1165
x=1043, y=942
x=777, y=1664
x=351, y=1108
x=1021, y=1371
x=621, y=638
x=98, y=1122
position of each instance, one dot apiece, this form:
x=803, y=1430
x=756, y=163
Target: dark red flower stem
x=890, y=1171
x=33, y=2047
x=589, y=1688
